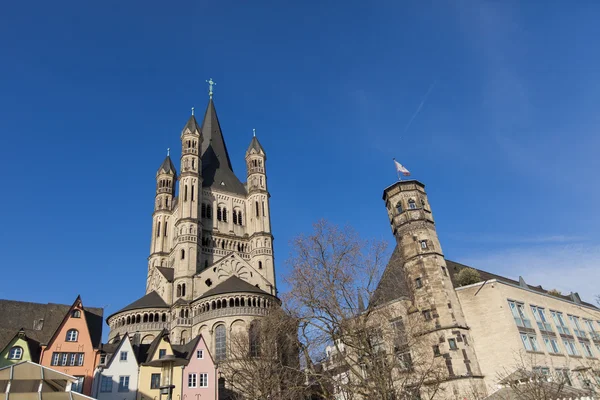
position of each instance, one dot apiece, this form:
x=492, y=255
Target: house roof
x=168, y=273
x=392, y=285
x=20, y=314
x=231, y=285
x=151, y=300
x=454, y=268
x=217, y=172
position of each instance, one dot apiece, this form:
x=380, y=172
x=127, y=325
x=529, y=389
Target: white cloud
x=573, y=267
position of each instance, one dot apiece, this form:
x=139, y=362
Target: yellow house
x=20, y=348
x=161, y=373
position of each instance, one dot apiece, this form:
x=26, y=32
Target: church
x=211, y=266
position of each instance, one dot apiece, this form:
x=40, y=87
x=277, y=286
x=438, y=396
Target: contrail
x=420, y=106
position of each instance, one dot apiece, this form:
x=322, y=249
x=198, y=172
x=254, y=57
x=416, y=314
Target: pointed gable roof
x=217, y=172
x=192, y=125
x=92, y=320
x=167, y=167
x=392, y=285
x=233, y=284
x=116, y=351
x=151, y=300
x=255, y=145
x=167, y=272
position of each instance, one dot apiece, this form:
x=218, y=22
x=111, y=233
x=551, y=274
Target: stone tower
x=211, y=265
x=427, y=278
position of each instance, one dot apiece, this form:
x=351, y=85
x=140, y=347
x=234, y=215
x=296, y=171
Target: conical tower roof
x=255, y=145
x=167, y=167
x=217, y=172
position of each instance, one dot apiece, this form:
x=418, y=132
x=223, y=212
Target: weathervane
x=211, y=83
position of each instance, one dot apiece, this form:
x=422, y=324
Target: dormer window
x=76, y=314
x=411, y=204
x=162, y=353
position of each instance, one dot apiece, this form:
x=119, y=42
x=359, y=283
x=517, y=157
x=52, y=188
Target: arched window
x=182, y=254
x=164, y=317
x=185, y=193
x=220, y=343
x=193, y=163
x=240, y=218
x=260, y=265
x=167, y=202
x=15, y=353
x=411, y=204
x=224, y=214
x=254, y=337
x=158, y=229
x=263, y=209
x=178, y=290
x=203, y=210
x=138, y=319
x=145, y=319
x=128, y=320
x=76, y=314
x=192, y=192
x=399, y=207
x=257, y=210
x=183, y=289
x=166, y=227
x=151, y=318
x=219, y=213
x=209, y=211
x=72, y=335
x=234, y=218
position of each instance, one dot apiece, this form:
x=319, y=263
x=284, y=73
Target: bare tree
x=263, y=361
x=374, y=351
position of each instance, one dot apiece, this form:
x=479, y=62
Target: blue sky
x=493, y=105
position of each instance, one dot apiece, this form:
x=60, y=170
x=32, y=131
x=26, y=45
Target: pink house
x=200, y=375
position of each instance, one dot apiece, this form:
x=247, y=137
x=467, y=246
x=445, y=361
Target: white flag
x=401, y=170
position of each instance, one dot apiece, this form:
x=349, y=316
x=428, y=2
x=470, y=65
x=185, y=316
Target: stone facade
x=211, y=257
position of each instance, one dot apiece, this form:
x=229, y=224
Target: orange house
x=74, y=347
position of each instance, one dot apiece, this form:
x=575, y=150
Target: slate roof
x=231, y=285
x=151, y=300
x=185, y=350
x=168, y=273
x=15, y=315
x=255, y=144
x=217, y=172
x=454, y=268
x=167, y=166
x=392, y=285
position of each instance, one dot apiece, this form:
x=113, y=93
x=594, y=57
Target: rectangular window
x=106, y=384
x=591, y=329
x=162, y=353
x=436, y=350
x=559, y=321
x=423, y=244
x=551, y=345
x=102, y=359
x=155, y=381
x=200, y=354
x=530, y=342
x=80, y=360
x=418, y=283
x=575, y=324
x=192, y=380
x=78, y=385
x=518, y=312
x=72, y=359
x=564, y=376
x=427, y=315
x=203, y=380
x=123, y=356
x=55, y=358
x=123, y=384
x=64, y=359
x=587, y=349
x=452, y=343
x=540, y=319
x=405, y=360
x=571, y=347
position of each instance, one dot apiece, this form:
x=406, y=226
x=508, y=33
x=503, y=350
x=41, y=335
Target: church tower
x=211, y=266
x=427, y=278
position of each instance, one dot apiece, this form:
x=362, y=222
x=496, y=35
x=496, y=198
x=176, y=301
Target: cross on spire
x=211, y=83
x=192, y=110
x=253, y=132
x=168, y=151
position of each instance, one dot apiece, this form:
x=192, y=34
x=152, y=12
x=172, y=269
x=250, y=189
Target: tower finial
x=253, y=132
x=169, y=150
x=192, y=111
x=211, y=83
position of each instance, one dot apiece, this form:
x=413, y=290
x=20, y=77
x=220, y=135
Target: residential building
x=117, y=376
x=200, y=375
x=74, y=347
x=26, y=326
